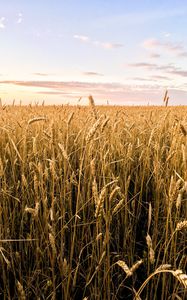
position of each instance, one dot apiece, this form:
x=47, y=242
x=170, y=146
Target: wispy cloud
x=154, y=55
x=52, y=93
x=105, y=45
x=58, y=84
x=166, y=34
x=92, y=74
x=174, y=48
x=119, y=93
x=143, y=65
x=142, y=79
x=102, y=89
x=72, y=90
x=111, y=45
x=20, y=18
x=66, y=85
x=41, y=74
x=152, y=78
x=183, y=54
x=182, y=73
x=160, y=77
x=169, y=68
x=2, y=22
x=82, y=38
x=153, y=43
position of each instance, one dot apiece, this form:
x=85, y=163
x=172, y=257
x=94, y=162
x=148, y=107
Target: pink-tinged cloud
x=179, y=72
x=175, y=48
x=154, y=78
x=183, y=54
x=150, y=43
x=116, y=93
x=84, y=88
x=105, y=45
x=54, y=93
x=143, y=65
x=160, y=77
x=169, y=69
x=142, y=79
x=92, y=74
x=155, y=55
x=153, y=43
x=41, y=74
x=59, y=86
x=111, y=45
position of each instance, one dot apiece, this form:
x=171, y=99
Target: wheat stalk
x=150, y=249
x=63, y=151
x=183, y=130
x=92, y=105
x=100, y=202
x=181, y=225
x=36, y=119
x=181, y=276
x=126, y=269
x=52, y=243
x=178, y=274
x=136, y=266
x=93, y=130
x=21, y=291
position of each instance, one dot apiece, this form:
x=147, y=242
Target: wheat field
x=93, y=202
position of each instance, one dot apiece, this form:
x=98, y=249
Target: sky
x=122, y=52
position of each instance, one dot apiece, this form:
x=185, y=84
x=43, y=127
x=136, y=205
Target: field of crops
x=93, y=202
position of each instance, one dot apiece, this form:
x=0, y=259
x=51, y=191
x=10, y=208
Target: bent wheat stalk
x=178, y=274
x=33, y=120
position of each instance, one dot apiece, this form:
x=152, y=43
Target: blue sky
x=124, y=52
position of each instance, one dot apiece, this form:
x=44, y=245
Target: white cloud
x=2, y=20
x=105, y=45
x=166, y=34
x=82, y=38
x=111, y=45
x=20, y=18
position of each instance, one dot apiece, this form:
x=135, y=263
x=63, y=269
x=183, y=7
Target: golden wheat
x=82, y=187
